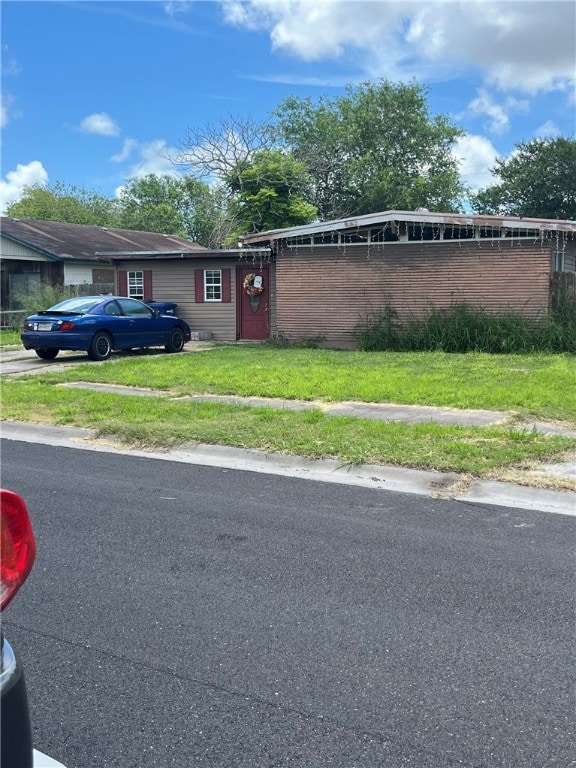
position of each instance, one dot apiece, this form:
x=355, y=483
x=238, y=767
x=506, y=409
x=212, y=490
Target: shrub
x=380, y=330
x=463, y=328
x=45, y=296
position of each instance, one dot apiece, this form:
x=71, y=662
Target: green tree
x=61, y=202
x=537, y=180
x=269, y=192
x=375, y=148
x=176, y=206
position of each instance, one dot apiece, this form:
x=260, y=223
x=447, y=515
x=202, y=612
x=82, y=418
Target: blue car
x=99, y=325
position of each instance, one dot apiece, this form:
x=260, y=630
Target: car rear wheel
x=47, y=354
x=175, y=341
x=101, y=346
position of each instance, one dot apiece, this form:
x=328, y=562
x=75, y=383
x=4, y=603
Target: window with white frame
x=212, y=285
x=136, y=285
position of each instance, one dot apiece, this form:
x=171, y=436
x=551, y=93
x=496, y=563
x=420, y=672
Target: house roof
x=421, y=217
x=62, y=241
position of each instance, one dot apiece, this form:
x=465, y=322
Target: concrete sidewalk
x=444, y=485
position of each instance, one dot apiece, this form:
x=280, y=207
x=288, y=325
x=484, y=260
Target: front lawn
x=538, y=386
x=534, y=386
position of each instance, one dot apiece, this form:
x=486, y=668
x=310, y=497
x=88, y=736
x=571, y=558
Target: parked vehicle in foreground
x=99, y=325
x=18, y=553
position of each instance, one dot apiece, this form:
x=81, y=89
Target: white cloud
x=127, y=148
x=498, y=114
x=4, y=109
x=101, y=124
x=12, y=187
x=476, y=155
x=525, y=46
x=547, y=130
x=10, y=67
x=7, y=109
x=529, y=46
x=154, y=158
x=176, y=6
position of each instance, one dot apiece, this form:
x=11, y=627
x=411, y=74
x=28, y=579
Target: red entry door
x=253, y=311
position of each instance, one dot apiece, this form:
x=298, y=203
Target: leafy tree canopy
x=537, y=180
x=270, y=192
x=175, y=206
x=61, y=202
x=376, y=148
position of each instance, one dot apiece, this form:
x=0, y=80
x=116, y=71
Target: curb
x=386, y=478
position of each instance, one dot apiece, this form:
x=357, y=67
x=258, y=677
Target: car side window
x=132, y=308
x=112, y=308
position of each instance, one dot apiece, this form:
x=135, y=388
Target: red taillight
x=18, y=545
x=66, y=325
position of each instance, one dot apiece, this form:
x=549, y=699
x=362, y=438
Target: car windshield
x=78, y=304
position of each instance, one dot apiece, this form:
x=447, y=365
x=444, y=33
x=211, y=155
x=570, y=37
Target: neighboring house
x=33, y=252
x=329, y=276
x=207, y=285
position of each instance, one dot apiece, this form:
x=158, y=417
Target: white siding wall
x=74, y=274
x=11, y=250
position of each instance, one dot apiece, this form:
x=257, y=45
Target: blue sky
x=96, y=92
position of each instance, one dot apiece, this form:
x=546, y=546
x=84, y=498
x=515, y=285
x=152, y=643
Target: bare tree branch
x=218, y=150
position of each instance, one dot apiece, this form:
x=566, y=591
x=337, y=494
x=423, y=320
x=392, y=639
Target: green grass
x=533, y=386
x=528, y=386
x=9, y=337
x=162, y=422
x=466, y=328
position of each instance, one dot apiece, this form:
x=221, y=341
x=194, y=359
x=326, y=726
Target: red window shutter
x=148, y=295
x=199, y=286
x=226, y=285
x=122, y=282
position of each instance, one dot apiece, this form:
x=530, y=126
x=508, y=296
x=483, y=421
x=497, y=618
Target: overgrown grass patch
x=9, y=337
x=163, y=422
x=466, y=328
x=535, y=385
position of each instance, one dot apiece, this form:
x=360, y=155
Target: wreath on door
x=250, y=288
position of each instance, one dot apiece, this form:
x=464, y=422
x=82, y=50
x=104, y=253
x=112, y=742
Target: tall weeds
x=44, y=297
x=463, y=328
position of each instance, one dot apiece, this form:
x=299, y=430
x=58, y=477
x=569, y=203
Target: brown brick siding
x=570, y=257
x=327, y=291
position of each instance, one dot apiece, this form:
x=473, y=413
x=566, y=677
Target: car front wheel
x=101, y=346
x=175, y=341
x=47, y=354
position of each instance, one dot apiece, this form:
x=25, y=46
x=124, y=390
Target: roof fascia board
x=194, y=254
x=412, y=217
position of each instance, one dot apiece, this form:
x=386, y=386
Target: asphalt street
x=182, y=615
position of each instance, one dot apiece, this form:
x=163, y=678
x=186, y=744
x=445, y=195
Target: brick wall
x=327, y=290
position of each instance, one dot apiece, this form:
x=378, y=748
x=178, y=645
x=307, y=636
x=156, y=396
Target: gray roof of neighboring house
x=417, y=217
x=84, y=242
